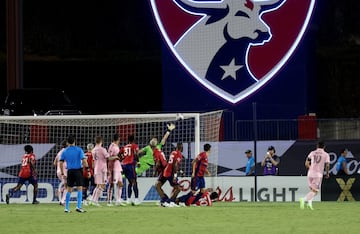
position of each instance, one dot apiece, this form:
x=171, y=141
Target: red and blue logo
x=232, y=47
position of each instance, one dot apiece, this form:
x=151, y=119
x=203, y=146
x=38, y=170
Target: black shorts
x=75, y=177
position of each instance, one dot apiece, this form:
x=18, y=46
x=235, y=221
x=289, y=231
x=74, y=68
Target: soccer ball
x=179, y=116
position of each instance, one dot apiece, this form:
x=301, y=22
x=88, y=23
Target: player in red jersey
x=160, y=161
x=170, y=174
x=199, y=169
x=130, y=161
x=89, y=183
x=158, y=155
x=205, y=198
x=27, y=173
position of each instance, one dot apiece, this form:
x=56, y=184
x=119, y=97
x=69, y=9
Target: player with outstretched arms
x=146, y=154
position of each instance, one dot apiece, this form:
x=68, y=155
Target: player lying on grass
x=198, y=199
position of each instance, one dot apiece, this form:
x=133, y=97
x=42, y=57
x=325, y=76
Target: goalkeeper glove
x=171, y=127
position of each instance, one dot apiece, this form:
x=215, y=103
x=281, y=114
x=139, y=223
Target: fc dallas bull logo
x=232, y=47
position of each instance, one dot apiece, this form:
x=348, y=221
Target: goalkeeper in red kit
x=27, y=173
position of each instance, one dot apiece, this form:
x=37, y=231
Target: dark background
x=109, y=53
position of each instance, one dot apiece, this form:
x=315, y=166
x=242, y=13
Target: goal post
x=45, y=134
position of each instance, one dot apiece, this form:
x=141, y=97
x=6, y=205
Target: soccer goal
x=45, y=134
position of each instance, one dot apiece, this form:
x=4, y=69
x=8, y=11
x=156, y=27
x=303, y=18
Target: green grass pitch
x=222, y=217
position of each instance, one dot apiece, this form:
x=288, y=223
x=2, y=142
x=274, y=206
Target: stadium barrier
x=341, y=188
x=230, y=189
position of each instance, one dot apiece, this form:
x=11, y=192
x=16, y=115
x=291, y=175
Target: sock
x=136, y=190
x=84, y=194
x=67, y=200
x=34, y=195
x=109, y=194
x=129, y=190
x=119, y=193
x=63, y=197
x=98, y=193
x=94, y=194
x=310, y=196
x=79, y=199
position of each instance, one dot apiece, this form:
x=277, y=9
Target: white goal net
x=45, y=134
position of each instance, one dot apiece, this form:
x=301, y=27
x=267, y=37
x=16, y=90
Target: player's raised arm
x=170, y=128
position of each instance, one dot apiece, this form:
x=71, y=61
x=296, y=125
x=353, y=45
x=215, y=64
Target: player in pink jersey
x=100, y=156
x=316, y=162
x=62, y=186
x=170, y=174
x=115, y=172
x=129, y=153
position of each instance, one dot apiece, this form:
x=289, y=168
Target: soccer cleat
x=62, y=203
x=7, y=199
x=109, y=204
x=94, y=203
x=89, y=198
x=80, y=210
x=136, y=202
x=120, y=204
x=165, y=204
x=182, y=204
x=67, y=211
x=173, y=204
x=35, y=202
x=85, y=203
x=302, y=203
x=310, y=206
